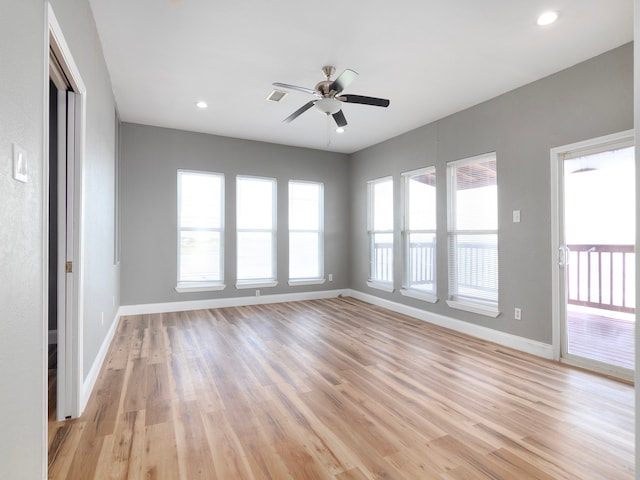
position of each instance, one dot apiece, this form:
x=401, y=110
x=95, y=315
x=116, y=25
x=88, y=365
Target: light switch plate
x=20, y=164
x=516, y=216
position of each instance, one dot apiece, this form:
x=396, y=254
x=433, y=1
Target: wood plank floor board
x=336, y=389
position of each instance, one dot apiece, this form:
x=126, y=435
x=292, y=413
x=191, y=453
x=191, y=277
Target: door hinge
x=69, y=267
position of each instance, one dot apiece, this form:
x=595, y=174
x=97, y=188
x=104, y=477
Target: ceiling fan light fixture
x=328, y=105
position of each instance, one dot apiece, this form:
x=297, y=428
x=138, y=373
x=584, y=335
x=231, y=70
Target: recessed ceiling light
x=201, y=104
x=340, y=130
x=547, y=18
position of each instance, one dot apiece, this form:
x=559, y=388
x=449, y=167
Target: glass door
x=597, y=258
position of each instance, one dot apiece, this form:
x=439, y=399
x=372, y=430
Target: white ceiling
x=431, y=58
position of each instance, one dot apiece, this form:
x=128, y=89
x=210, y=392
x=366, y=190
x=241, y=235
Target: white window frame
x=200, y=286
x=387, y=286
x=470, y=304
x=271, y=281
x=407, y=231
x=319, y=232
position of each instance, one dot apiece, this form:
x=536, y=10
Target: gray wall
x=22, y=317
x=588, y=100
x=23, y=321
x=151, y=157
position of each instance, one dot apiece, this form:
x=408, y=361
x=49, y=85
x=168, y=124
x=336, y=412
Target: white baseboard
x=92, y=376
x=227, y=302
x=523, y=344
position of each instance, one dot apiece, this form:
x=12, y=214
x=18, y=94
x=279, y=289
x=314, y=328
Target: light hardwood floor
x=336, y=389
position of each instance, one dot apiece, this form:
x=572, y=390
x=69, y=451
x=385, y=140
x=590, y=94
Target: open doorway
x=596, y=254
x=63, y=190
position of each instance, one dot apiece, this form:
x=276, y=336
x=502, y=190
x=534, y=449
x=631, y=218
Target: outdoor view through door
x=599, y=239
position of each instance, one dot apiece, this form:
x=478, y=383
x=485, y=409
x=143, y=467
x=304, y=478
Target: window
x=306, y=223
x=473, y=234
x=381, y=233
x=200, y=231
x=256, y=231
x=419, y=233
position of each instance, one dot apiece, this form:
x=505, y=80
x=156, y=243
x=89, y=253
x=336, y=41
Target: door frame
x=70, y=371
x=558, y=293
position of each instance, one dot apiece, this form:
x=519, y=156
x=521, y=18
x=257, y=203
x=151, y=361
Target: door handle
x=563, y=256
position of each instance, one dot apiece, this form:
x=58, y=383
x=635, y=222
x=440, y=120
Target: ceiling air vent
x=276, y=95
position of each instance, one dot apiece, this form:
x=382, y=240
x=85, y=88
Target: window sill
x=185, y=287
x=256, y=284
x=417, y=294
x=479, y=308
x=308, y=281
x=387, y=287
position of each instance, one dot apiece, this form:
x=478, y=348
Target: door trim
x=557, y=155
x=73, y=321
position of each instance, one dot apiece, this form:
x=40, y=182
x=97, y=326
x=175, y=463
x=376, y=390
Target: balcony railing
x=598, y=276
x=602, y=276
x=383, y=262
x=421, y=261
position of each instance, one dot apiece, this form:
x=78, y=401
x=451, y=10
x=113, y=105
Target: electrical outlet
x=517, y=313
x=331, y=277
x=101, y=318
x=257, y=293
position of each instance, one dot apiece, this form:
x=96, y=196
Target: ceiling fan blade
x=339, y=118
x=376, y=102
x=310, y=91
x=343, y=80
x=300, y=111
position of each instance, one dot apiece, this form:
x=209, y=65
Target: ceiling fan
x=329, y=96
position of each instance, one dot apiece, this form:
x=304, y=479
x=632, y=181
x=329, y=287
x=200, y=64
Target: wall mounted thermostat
x=20, y=166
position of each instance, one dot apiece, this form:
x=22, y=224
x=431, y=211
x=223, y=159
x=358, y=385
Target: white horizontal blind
x=256, y=229
x=200, y=227
x=419, y=229
x=306, y=224
x=380, y=209
x=473, y=229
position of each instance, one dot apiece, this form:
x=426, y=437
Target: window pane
x=200, y=226
x=200, y=200
x=476, y=266
x=305, y=230
x=421, y=205
x=473, y=236
x=304, y=206
x=303, y=255
x=200, y=257
x=255, y=199
x=255, y=255
x=476, y=201
x=383, y=205
x=421, y=259
x=382, y=257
